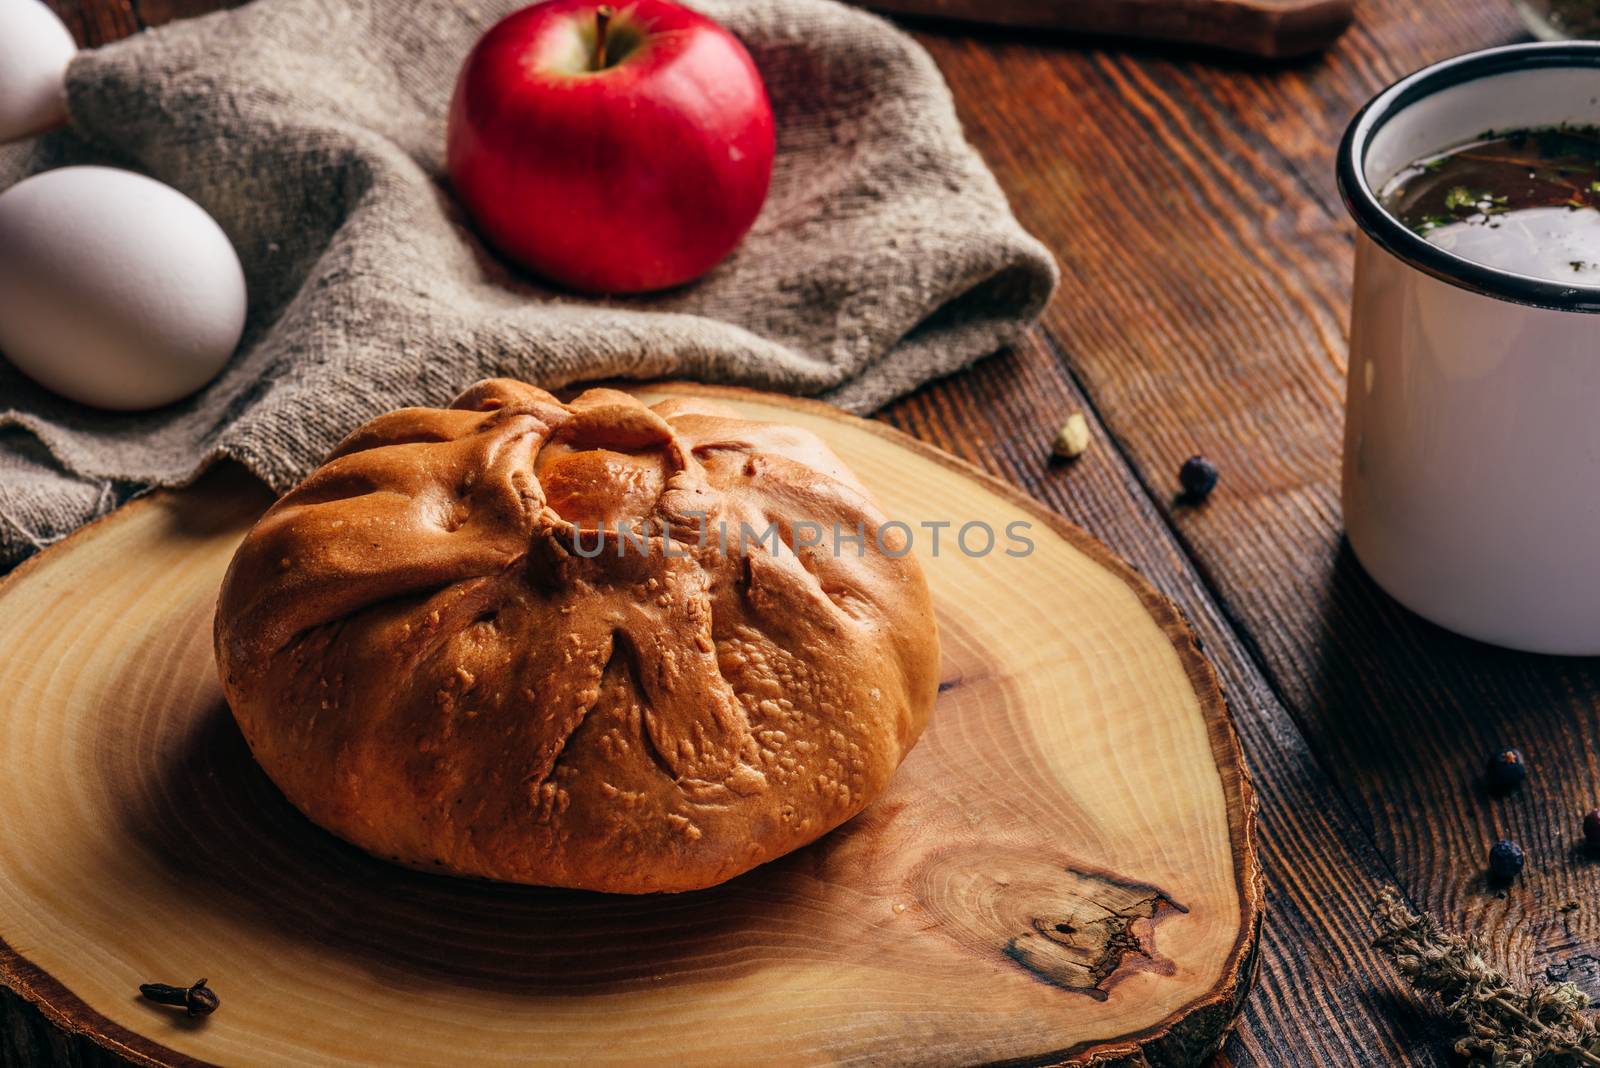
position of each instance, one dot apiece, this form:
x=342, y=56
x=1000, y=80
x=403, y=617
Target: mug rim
x=1398, y=239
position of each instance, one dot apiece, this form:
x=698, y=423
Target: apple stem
x=602, y=18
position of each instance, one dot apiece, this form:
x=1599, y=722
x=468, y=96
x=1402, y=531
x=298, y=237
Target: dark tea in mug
x=1525, y=201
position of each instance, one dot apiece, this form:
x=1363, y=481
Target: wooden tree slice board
x=1272, y=28
x=1062, y=871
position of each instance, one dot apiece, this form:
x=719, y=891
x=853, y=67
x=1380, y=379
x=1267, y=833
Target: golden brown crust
x=424, y=655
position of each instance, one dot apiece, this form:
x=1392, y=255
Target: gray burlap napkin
x=314, y=130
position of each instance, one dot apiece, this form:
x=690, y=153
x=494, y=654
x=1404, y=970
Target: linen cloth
x=313, y=130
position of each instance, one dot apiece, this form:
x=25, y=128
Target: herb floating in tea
x=1525, y=201
x=1543, y=1026
x=198, y=999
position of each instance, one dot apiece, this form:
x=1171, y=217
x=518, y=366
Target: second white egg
x=115, y=290
x=35, y=49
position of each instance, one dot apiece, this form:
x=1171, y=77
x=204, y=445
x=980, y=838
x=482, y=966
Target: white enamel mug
x=1472, y=425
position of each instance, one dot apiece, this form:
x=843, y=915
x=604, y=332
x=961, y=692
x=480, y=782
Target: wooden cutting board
x=1062, y=871
x=1275, y=29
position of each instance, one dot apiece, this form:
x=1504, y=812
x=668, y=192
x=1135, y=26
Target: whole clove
x=197, y=999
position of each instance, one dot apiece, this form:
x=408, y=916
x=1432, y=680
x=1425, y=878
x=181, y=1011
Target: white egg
x=34, y=51
x=115, y=290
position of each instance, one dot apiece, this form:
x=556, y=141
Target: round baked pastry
x=437, y=653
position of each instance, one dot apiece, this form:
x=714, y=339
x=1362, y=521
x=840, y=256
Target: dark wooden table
x=1206, y=279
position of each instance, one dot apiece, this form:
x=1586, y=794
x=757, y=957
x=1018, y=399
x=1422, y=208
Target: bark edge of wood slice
x=1063, y=871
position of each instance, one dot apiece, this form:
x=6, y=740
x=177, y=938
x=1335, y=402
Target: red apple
x=612, y=151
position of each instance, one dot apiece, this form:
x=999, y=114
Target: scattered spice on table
x=1507, y=769
x=1591, y=828
x=197, y=999
x=1540, y=1026
x=1072, y=439
x=1505, y=860
x=1198, y=477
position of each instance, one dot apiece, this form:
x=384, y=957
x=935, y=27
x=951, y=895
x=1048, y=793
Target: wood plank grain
x=1207, y=265
x=156, y=12
x=97, y=22
x=1347, y=1019
x=1323, y=996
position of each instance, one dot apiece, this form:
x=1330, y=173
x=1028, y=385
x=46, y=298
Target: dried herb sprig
x=1507, y=1025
